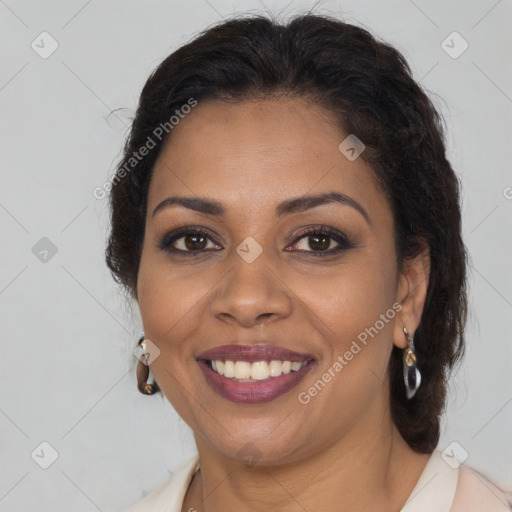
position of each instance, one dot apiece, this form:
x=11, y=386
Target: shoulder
x=476, y=492
x=169, y=496
x=446, y=485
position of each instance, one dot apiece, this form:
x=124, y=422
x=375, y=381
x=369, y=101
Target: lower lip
x=253, y=392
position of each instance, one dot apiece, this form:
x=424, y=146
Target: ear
x=411, y=294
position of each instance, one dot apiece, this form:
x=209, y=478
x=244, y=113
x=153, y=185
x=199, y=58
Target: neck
x=369, y=468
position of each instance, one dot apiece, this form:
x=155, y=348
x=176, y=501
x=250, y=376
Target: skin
x=341, y=451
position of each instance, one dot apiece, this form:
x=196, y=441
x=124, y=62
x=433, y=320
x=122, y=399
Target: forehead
x=258, y=153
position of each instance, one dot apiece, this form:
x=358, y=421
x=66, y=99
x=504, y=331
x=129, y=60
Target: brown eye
x=189, y=241
x=319, y=241
x=194, y=242
x=314, y=242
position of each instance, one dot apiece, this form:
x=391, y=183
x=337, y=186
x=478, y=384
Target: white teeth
x=242, y=369
x=276, y=368
x=258, y=370
x=229, y=369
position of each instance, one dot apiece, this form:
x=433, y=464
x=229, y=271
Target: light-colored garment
x=444, y=486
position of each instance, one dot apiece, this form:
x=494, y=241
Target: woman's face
x=252, y=276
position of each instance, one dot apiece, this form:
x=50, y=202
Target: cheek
x=348, y=300
x=169, y=298
x=352, y=309
x=347, y=311
x=169, y=304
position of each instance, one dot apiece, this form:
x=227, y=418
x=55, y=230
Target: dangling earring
x=412, y=376
x=145, y=358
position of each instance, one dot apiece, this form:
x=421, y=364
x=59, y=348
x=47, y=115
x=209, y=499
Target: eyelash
x=339, y=237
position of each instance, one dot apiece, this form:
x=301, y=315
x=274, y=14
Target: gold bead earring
x=412, y=376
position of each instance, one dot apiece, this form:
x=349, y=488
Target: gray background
x=66, y=366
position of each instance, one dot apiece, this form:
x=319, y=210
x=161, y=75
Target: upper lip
x=253, y=352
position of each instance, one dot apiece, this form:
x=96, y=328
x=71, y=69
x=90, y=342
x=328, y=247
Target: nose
x=251, y=294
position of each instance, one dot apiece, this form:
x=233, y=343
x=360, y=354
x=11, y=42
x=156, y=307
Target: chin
x=260, y=446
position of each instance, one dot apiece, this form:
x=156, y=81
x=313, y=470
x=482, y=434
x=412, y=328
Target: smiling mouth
x=254, y=371
x=253, y=382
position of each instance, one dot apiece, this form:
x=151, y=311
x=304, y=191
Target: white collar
x=436, y=486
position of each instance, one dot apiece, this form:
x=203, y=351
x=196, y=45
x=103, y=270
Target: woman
x=286, y=218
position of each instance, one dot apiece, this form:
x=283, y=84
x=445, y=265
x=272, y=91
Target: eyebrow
x=288, y=207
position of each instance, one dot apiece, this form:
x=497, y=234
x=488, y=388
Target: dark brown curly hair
x=368, y=86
